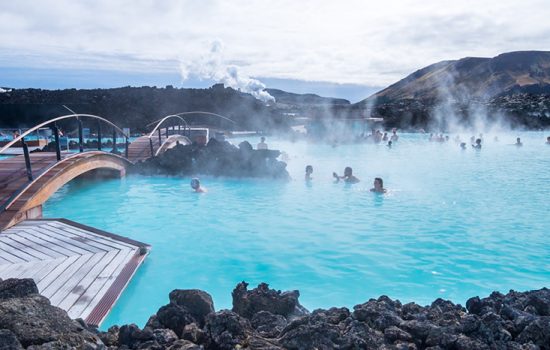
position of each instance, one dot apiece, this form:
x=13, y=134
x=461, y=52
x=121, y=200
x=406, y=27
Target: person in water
x=548, y=140
x=394, y=137
x=348, y=177
x=196, y=186
x=309, y=171
x=262, y=144
x=463, y=145
x=518, y=142
x=389, y=144
x=378, y=186
x=477, y=144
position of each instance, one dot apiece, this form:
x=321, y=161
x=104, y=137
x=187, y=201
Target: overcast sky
x=369, y=43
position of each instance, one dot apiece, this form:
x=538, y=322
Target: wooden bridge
x=79, y=268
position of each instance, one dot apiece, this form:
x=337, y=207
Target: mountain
x=475, y=77
x=514, y=86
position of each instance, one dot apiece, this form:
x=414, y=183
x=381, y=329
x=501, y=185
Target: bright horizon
x=321, y=47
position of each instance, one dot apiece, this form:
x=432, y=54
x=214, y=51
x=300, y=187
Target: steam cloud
x=212, y=66
x=4, y=90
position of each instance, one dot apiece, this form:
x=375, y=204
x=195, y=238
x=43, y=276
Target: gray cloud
x=373, y=43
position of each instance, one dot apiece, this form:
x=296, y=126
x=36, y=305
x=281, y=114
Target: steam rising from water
x=460, y=110
x=212, y=66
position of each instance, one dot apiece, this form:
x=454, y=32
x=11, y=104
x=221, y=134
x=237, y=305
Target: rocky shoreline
x=267, y=319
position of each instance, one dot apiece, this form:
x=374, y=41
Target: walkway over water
x=22, y=193
x=80, y=269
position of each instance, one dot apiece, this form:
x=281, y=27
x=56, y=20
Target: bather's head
x=195, y=183
x=378, y=183
x=348, y=171
x=309, y=169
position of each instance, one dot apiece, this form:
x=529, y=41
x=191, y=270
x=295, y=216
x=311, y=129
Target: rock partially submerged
x=217, y=159
x=267, y=319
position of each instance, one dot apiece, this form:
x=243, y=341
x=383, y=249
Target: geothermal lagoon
x=454, y=224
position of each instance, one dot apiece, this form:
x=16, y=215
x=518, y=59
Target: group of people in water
x=349, y=178
x=378, y=184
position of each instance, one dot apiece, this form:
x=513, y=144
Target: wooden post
x=152, y=148
x=126, y=149
x=27, y=159
x=114, y=142
x=80, y=136
x=57, y=144
x=160, y=137
x=99, y=135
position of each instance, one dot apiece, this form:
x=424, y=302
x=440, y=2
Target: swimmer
x=309, y=171
x=477, y=144
x=518, y=142
x=394, y=137
x=385, y=137
x=463, y=145
x=348, y=177
x=378, y=186
x=548, y=140
x=196, y=186
x=389, y=144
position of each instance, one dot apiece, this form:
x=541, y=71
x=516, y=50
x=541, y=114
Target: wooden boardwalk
x=80, y=269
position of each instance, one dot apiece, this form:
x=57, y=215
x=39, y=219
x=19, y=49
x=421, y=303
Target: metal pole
x=114, y=141
x=57, y=144
x=27, y=159
x=80, y=137
x=160, y=137
x=152, y=148
x=179, y=129
x=126, y=150
x=99, y=135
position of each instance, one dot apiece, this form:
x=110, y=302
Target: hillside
x=512, y=87
x=474, y=77
x=135, y=107
x=290, y=98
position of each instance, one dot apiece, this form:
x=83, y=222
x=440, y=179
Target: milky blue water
x=454, y=224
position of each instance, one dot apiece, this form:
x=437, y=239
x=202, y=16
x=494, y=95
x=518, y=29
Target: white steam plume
x=212, y=66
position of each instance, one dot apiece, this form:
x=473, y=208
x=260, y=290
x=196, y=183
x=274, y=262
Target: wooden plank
x=81, y=289
x=76, y=276
x=59, y=276
x=107, y=242
x=13, y=254
x=59, y=243
x=30, y=250
x=66, y=239
x=36, y=245
x=102, y=282
x=101, y=293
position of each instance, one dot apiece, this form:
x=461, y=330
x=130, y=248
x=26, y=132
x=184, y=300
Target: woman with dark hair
x=378, y=186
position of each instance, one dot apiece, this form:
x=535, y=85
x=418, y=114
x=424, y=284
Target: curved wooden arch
x=192, y=112
x=28, y=203
x=171, y=142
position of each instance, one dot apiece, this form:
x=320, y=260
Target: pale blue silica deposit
x=454, y=224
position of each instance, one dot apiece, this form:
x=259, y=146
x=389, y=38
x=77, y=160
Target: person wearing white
x=262, y=144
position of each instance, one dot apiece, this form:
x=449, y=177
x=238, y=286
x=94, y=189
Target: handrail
x=160, y=121
x=198, y=112
x=76, y=115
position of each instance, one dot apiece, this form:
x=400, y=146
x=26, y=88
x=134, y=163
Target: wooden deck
x=140, y=149
x=80, y=269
